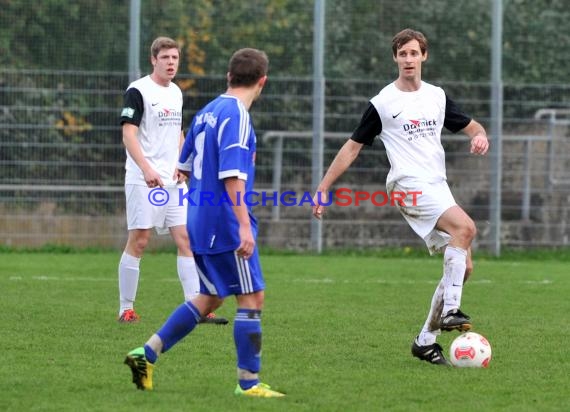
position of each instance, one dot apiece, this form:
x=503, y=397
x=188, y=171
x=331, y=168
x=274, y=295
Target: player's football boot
x=129, y=316
x=261, y=390
x=213, y=319
x=141, y=369
x=431, y=353
x=455, y=320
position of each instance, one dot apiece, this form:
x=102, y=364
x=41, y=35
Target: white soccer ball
x=470, y=350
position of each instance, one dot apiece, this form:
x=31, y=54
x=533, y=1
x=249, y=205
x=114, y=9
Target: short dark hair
x=246, y=67
x=407, y=35
x=161, y=43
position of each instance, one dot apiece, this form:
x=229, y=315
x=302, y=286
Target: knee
x=212, y=305
x=469, y=231
x=206, y=303
x=183, y=245
x=137, y=243
x=472, y=230
x=251, y=301
x=141, y=243
x=258, y=302
x=182, y=242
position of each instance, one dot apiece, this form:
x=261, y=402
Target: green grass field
x=337, y=335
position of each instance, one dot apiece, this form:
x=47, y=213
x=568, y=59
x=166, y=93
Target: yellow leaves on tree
x=70, y=124
x=192, y=44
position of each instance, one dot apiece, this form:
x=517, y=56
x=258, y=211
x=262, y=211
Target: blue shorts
x=227, y=274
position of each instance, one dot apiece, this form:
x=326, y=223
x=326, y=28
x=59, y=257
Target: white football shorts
x=155, y=207
x=433, y=199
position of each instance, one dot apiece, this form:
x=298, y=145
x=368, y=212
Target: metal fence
x=61, y=178
x=62, y=161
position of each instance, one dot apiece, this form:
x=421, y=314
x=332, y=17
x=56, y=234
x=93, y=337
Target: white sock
x=430, y=330
x=128, y=281
x=188, y=276
x=155, y=343
x=454, y=265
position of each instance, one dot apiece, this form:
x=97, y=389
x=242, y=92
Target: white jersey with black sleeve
x=157, y=111
x=409, y=124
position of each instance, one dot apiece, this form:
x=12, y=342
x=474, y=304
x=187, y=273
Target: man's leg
x=248, y=338
x=188, y=273
x=129, y=272
x=179, y=324
x=461, y=228
x=185, y=263
x=431, y=329
x=424, y=346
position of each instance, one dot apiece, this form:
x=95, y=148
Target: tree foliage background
x=64, y=70
x=63, y=67
x=87, y=35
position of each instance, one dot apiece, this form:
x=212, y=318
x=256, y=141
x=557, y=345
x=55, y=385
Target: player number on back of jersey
x=198, y=159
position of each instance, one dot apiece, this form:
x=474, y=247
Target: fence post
x=318, y=114
x=277, y=170
x=134, y=40
x=496, y=127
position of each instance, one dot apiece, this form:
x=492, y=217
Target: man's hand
x=479, y=144
x=152, y=178
x=247, y=242
x=180, y=175
x=319, y=199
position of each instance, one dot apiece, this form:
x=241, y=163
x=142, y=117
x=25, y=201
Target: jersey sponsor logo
x=208, y=118
x=169, y=117
x=154, y=104
x=420, y=129
x=128, y=112
x=170, y=113
x=417, y=124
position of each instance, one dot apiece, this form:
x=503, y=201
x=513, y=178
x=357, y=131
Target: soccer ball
x=470, y=350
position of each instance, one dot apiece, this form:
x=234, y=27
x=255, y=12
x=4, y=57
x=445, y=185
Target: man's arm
x=236, y=187
x=151, y=177
x=180, y=175
x=478, y=136
x=342, y=161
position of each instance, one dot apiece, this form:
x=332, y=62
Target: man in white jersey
x=151, y=121
x=408, y=115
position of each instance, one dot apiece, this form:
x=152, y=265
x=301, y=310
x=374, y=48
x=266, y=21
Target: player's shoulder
x=219, y=104
x=388, y=89
x=232, y=106
x=229, y=100
x=140, y=88
x=139, y=83
x=384, y=94
x=222, y=108
x=175, y=88
x=432, y=88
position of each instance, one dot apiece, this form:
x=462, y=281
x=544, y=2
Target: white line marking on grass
x=412, y=282
x=538, y=282
x=383, y=281
x=46, y=278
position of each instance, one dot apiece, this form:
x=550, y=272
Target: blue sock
x=245, y=384
x=247, y=337
x=150, y=354
x=178, y=325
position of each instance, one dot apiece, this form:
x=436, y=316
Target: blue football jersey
x=219, y=144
